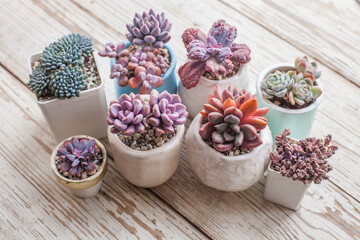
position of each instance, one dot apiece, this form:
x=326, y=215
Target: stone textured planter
x=226, y=173
x=170, y=81
x=85, y=114
x=283, y=190
x=149, y=168
x=87, y=187
x=299, y=121
x=194, y=98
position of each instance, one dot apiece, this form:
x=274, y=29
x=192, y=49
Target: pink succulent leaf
x=114, y=109
x=191, y=72
x=197, y=51
x=81, y=145
x=75, y=142
x=139, y=127
x=65, y=166
x=62, y=151
x=224, y=54
x=154, y=97
x=75, y=163
x=153, y=121
x=219, y=68
x=191, y=34
x=165, y=95
x=175, y=99
x=114, y=130
x=73, y=171
x=156, y=110
x=138, y=119
x=90, y=168
x=240, y=53
x=162, y=105
x=180, y=121
x=223, y=32
x=137, y=106
x=130, y=130
x=70, y=157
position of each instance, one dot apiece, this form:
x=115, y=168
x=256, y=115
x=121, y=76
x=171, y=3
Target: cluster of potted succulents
x=228, y=143
x=292, y=93
x=294, y=165
x=145, y=134
x=65, y=80
x=145, y=62
x=214, y=59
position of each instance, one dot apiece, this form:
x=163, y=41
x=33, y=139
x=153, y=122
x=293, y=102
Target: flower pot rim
x=83, y=183
x=273, y=106
x=86, y=92
x=162, y=149
x=173, y=59
x=198, y=119
x=274, y=173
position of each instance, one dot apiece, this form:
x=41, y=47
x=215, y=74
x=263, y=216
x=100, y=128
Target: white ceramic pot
x=85, y=114
x=283, y=190
x=88, y=187
x=196, y=97
x=299, y=121
x=149, y=168
x=226, y=173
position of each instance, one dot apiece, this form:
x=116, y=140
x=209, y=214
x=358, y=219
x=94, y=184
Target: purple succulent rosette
x=303, y=160
x=167, y=111
x=214, y=53
x=128, y=114
x=77, y=156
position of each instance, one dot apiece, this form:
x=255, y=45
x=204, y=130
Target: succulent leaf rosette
x=296, y=87
x=130, y=114
x=232, y=119
x=303, y=160
x=214, y=53
x=78, y=156
x=144, y=65
x=60, y=72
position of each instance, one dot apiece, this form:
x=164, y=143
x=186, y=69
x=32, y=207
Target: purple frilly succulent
x=77, y=156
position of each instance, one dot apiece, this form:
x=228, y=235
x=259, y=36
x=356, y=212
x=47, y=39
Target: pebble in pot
x=80, y=164
x=228, y=143
x=145, y=61
x=214, y=59
x=294, y=165
x=145, y=134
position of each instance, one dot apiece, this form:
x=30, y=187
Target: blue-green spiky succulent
x=39, y=82
x=68, y=82
x=60, y=72
x=277, y=84
x=81, y=42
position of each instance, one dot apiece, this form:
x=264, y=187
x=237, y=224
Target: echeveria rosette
x=307, y=68
x=167, y=111
x=303, y=91
x=277, y=84
x=77, y=156
x=303, y=160
x=149, y=29
x=214, y=53
x=127, y=114
x=80, y=42
x=232, y=119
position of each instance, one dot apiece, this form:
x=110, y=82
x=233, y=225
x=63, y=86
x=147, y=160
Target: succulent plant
x=308, y=69
x=39, y=82
x=277, y=84
x=232, y=119
x=59, y=73
x=149, y=29
x=77, y=156
x=303, y=160
x=214, y=53
x=111, y=50
x=68, y=82
x=166, y=111
x=148, y=77
x=127, y=114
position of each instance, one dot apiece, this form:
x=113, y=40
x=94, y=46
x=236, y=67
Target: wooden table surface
x=34, y=206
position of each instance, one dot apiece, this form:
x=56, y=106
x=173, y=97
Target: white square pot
x=283, y=190
x=83, y=115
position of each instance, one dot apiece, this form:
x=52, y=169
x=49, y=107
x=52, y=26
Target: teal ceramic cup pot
x=299, y=121
x=170, y=81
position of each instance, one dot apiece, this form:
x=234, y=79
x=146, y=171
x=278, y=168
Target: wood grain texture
x=34, y=205
x=327, y=30
x=329, y=211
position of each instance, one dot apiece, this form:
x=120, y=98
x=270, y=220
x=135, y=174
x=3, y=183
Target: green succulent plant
x=39, y=82
x=67, y=83
x=303, y=91
x=277, y=84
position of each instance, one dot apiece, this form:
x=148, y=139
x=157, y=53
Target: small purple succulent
x=111, y=50
x=214, y=53
x=128, y=114
x=167, y=111
x=149, y=29
x=77, y=156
